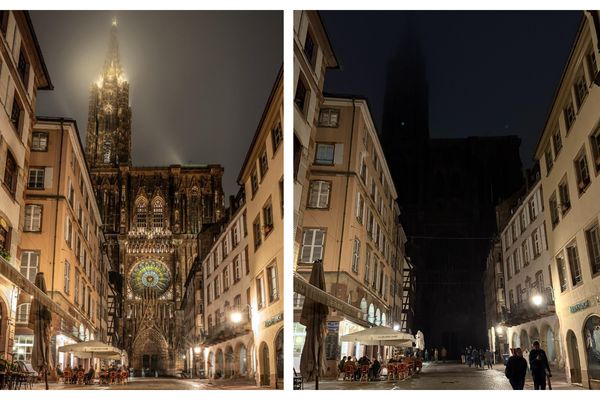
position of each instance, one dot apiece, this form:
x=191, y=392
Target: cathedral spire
x=112, y=65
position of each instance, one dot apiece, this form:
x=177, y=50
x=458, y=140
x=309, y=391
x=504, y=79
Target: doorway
x=574, y=364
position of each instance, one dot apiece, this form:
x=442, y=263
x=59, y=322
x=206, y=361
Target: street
x=158, y=384
x=449, y=376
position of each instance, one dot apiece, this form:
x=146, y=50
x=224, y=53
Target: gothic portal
x=151, y=220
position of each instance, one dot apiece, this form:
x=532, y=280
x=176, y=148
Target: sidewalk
x=558, y=379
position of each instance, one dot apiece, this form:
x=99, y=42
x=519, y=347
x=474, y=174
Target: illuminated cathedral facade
x=152, y=217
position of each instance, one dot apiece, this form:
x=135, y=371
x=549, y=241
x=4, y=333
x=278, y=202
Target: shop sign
x=273, y=320
x=582, y=305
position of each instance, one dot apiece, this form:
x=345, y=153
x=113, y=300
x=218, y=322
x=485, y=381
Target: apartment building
x=529, y=300
x=351, y=223
x=495, y=302
x=313, y=55
x=262, y=178
x=22, y=73
x=62, y=238
x=569, y=153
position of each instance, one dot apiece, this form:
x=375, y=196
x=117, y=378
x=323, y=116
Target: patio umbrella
x=380, y=336
x=314, y=318
x=41, y=318
x=91, y=349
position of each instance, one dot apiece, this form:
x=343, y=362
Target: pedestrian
x=516, y=369
x=341, y=366
x=475, y=358
x=444, y=353
x=435, y=355
x=481, y=358
x=426, y=355
x=538, y=362
x=489, y=358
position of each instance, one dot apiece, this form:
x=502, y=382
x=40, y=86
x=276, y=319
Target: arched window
x=23, y=313
x=371, y=313
x=378, y=317
x=157, y=210
x=141, y=213
x=106, y=152
x=194, y=207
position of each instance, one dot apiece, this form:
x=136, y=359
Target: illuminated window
x=23, y=313
x=157, y=210
x=141, y=214
x=272, y=281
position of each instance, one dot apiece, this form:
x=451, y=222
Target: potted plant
x=4, y=254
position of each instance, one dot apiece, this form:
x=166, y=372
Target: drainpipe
x=57, y=199
x=337, y=279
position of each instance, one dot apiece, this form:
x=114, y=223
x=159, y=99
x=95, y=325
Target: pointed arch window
x=106, y=152
x=141, y=213
x=157, y=211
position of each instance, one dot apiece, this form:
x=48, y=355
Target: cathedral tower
x=108, y=140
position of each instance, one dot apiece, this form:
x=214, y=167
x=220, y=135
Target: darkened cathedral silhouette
x=447, y=190
x=151, y=219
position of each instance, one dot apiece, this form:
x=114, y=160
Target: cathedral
x=152, y=217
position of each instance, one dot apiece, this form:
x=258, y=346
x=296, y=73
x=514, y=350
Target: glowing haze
x=198, y=80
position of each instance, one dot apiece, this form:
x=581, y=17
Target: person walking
x=444, y=353
x=435, y=355
x=341, y=366
x=538, y=362
x=489, y=358
x=516, y=369
x=426, y=355
x=475, y=358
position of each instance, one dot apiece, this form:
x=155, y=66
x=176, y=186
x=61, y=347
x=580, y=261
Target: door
x=574, y=364
x=265, y=370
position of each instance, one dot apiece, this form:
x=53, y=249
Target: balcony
x=528, y=311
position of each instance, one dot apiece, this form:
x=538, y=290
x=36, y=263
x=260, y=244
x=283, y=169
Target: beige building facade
x=262, y=178
x=62, y=238
x=313, y=55
x=351, y=223
x=22, y=74
x=530, y=308
x=569, y=155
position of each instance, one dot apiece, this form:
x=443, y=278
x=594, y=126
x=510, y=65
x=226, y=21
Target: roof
x=48, y=85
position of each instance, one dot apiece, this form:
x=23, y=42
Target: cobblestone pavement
x=157, y=384
x=449, y=376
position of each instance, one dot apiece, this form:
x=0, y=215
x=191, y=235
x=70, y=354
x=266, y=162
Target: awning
x=301, y=286
x=13, y=275
x=91, y=349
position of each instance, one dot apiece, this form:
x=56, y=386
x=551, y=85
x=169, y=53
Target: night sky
x=489, y=73
x=199, y=81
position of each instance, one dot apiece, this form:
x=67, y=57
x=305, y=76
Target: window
x=522, y=223
x=68, y=231
x=310, y=49
x=325, y=154
x=533, y=209
x=319, y=194
x=563, y=192
x=360, y=203
x=235, y=234
x=301, y=96
x=581, y=170
x=39, y=141
x=245, y=263
x=157, y=210
x=237, y=269
x=264, y=164
x=569, y=113
x=260, y=292
x=30, y=262
x=553, y=210
x=209, y=293
x=23, y=313
x=36, y=178
x=525, y=248
x=23, y=68
x=519, y=294
x=312, y=245
x=254, y=182
x=268, y=218
x=217, y=287
x=256, y=231
x=272, y=279
x=10, y=173
x=4, y=22
x=71, y=194
x=329, y=117
x=367, y=264
x=557, y=142
x=355, y=255
x=67, y=277
x=4, y=235
x=517, y=260
x=33, y=218
x=76, y=294
x=581, y=89
x=276, y=136
x=15, y=115
x=509, y=267
x=549, y=159
x=574, y=265
x=592, y=237
x=536, y=243
x=141, y=214
x=22, y=347
x=511, y=297
x=595, y=143
x=226, y=278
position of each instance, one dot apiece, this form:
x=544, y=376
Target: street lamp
x=499, y=329
x=197, y=350
x=236, y=317
x=396, y=327
x=537, y=300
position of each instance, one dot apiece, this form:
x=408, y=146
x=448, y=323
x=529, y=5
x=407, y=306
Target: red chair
x=124, y=376
x=391, y=372
x=401, y=370
x=113, y=377
x=364, y=372
x=67, y=376
x=80, y=377
x=348, y=372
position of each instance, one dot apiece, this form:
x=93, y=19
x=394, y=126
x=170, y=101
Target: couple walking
x=516, y=368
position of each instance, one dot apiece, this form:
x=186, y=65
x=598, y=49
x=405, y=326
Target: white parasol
x=380, y=336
